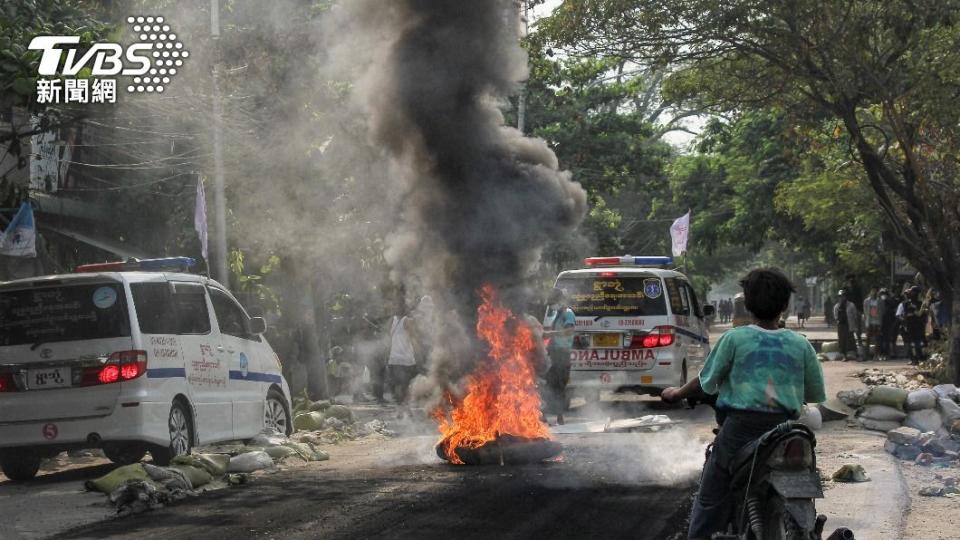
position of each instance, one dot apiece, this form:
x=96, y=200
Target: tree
x=885, y=72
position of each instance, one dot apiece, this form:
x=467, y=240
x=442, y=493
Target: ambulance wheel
x=276, y=414
x=20, y=466
x=180, y=426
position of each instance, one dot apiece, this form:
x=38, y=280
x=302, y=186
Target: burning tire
x=506, y=450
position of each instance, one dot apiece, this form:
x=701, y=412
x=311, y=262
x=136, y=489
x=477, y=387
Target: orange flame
x=502, y=396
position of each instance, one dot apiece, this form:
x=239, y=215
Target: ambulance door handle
x=220, y=348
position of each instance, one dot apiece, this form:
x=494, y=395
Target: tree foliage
x=886, y=72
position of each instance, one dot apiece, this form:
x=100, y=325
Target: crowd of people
x=868, y=326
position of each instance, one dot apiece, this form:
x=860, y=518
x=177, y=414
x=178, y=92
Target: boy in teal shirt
x=762, y=375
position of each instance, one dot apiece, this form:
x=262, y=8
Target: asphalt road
x=632, y=485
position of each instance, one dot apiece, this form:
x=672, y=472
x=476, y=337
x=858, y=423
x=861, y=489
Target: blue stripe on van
x=688, y=333
x=166, y=373
x=256, y=377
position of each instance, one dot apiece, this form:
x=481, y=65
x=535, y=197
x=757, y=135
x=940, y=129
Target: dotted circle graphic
x=166, y=50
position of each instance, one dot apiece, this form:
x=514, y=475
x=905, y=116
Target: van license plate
x=606, y=340
x=57, y=377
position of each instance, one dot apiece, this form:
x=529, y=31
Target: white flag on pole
x=679, y=233
x=20, y=238
x=200, y=217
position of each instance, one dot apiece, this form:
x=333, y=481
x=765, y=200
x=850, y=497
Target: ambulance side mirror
x=257, y=325
x=709, y=310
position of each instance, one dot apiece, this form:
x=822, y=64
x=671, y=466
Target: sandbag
x=882, y=412
x=890, y=396
x=279, y=452
x=925, y=420
x=249, y=462
x=879, y=425
x=307, y=451
x=197, y=476
x=310, y=421
x=923, y=398
x=321, y=405
x=109, y=482
x=948, y=391
x=168, y=477
x=853, y=398
x=339, y=412
x=949, y=411
x=830, y=347
x=811, y=417
x=214, y=464
x=267, y=439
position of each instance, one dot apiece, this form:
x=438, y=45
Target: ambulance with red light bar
x=639, y=325
x=130, y=357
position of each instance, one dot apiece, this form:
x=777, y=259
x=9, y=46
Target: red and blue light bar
x=166, y=264
x=628, y=260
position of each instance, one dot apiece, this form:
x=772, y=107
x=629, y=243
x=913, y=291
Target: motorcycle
x=774, y=485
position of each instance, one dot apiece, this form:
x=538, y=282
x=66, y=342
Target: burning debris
x=482, y=203
x=500, y=414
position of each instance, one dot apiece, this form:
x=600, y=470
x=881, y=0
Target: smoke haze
x=482, y=200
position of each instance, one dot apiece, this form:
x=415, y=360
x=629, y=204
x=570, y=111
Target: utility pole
x=220, y=272
x=522, y=98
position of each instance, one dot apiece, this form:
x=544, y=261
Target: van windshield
x=596, y=296
x=65, y=313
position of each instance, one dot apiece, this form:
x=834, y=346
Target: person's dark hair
x=766, y=293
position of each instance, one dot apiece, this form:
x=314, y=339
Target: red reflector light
x=650, y=341
x=665, y=340
x=109, y=374
x=100, y=267
x=132, y=363
x=129, y=371
x=6, y=383
x=600, y=261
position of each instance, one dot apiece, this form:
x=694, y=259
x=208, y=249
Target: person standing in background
x=846, y=316
x=872, y=319
x=559, y=326
x=828, y=310
x=910, y=314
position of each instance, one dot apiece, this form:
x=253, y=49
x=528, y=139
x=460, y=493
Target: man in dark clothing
x=911, y=317
x=888, y=325
x=846, y=315
x=828, y=310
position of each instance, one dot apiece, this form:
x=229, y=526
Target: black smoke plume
x=482, y=200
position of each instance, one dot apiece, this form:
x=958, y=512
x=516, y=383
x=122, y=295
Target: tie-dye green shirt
x=754, y=369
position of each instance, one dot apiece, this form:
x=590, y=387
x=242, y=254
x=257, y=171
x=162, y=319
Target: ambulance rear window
x=595, y=296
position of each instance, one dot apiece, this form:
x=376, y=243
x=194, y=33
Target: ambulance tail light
x=661, y=336
x=665, y=337
x=7, y=384
x=120, y=366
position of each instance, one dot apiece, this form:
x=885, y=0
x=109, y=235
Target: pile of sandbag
x=319, y=415
x=922, y=425
x=143, y=486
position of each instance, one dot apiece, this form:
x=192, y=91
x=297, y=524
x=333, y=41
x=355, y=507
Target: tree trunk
x=954, y=349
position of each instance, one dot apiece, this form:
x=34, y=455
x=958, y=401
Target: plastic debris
x=250, y=462
x=811, y=417
x=850, y=473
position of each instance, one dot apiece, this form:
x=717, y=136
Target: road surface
x=606, y=485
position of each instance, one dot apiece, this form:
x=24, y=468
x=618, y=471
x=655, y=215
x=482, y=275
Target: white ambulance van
x=639, y=325
x=130, y=357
